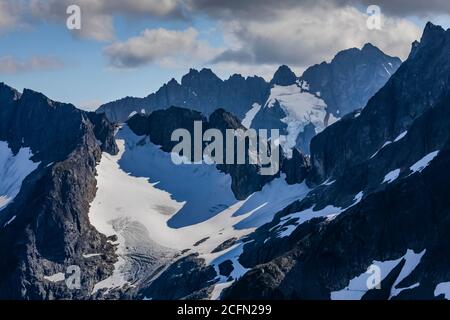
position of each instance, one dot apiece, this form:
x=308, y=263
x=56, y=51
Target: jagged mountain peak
x=222, y=118
x=369, y=46
x=433, y=37
x=35, y=96
x=367, y=52
x=8, y=93
x=417, y=85
x=351, y=78
x=204, y=75
x=284, y=76
x=370, y=50
x=432, y=31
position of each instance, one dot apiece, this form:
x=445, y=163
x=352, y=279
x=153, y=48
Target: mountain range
x=363, y=185
x=298, y=106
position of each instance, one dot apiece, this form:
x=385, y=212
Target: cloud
x=263, y=34
x=97, y=16
x=264, y=8
x=9, y=12
x=402, y=8
x=258, y=33
x=304, y=36
x=12, y=65
x=160, y=46
x=90, y=105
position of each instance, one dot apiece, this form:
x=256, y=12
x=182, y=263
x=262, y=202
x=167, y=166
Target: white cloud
x=97, y=16
x=160, y=46
x=12, y=65
x=90, y=105
x=9, y=12
x=304, y=36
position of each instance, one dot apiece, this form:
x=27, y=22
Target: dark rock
x=52, y=230
x=201, y=241
x=225, y=245
x=417, y=85
x=284, y=76
x=351, y=78
x=226, y=268
x=181, y=279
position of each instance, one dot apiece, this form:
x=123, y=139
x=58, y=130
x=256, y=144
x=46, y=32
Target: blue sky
x=86, y=77
x=130, y=48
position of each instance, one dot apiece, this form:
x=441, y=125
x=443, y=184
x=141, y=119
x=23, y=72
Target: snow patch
x=218, y=289
x=132, y=114
x=91, y=255
x=250, y=115
x=392, y=176
x=443, y=288
x=382, y=147
x=14, y=169
x=357, y=286
x=285, y=227
x=420, y=165
x=58, y=277
x=401, y=136
x=412, y=260
x=9, y=221
x=301, y=108
x=215, y=260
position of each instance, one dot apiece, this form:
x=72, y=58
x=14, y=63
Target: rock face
x=387, y=205
x=302, y=107
x=246, y=178
x=324, y=92
x=418, y=85
x=284, y=76
x=201, y=90
x=188, y=278
x=377, y=193
x=46, y=229
x=351, y=78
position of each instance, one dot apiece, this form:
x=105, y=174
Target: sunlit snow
x=301, y=108
x=175, y=205
x=250, y=115
x=443, y=288
x=358, y=286
x=420, y=165
x=14, y=169
x=391, y=176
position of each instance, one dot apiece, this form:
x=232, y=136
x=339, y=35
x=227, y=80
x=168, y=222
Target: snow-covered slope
x=13, y=170
x=148, y=202
x=359, y=285
x=302, y=108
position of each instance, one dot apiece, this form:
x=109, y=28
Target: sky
x=132, y=47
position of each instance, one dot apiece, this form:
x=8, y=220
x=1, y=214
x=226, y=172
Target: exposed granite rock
x=201, y=90
x=284, y=76
x=180, y=280
x=409, y=212
x=51, y=230
x=226, y=268
x=417, y=85
x=225, y=245
x=351, y=78
x=246, y=178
